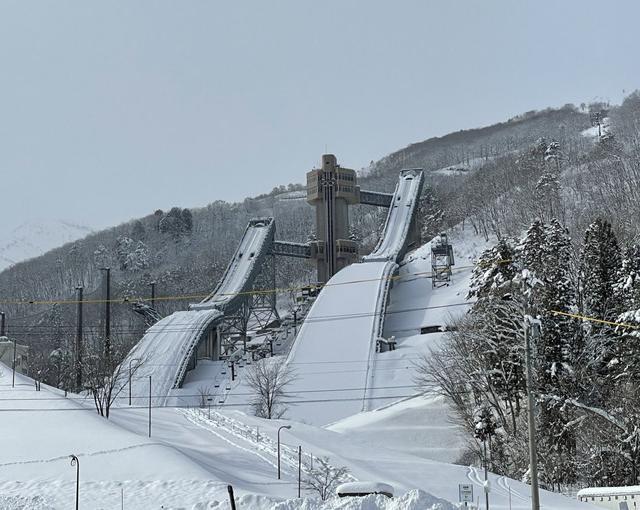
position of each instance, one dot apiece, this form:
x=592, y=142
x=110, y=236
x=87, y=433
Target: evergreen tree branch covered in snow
x=585, y=373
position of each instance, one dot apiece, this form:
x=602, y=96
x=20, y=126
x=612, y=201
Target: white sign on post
x=465, y=493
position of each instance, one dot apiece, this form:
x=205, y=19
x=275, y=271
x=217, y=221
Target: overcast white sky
x=109, y=110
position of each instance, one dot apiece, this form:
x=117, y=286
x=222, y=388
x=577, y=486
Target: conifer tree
x=599, y=269
x=557, y=352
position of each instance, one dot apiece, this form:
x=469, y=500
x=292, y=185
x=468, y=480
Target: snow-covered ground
x=330, y=358
x=420, y=425
x=166, y=348
x=161, y=352
x=36, y=237
x=194, y=453
x=192, y=456
x=592, y=132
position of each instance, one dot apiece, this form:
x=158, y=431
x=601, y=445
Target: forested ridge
x=561, y=205
x=566, y=255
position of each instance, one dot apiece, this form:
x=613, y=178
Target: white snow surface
x=334, y=354
x=241, y=266
x=161, y=352
x=364, y=487
x=416, y=424
x=398, y=222
x=602, y=491
x=33, y=238
x=331, y=355
x=592, y=132
x=166, y=347
x=194, y=453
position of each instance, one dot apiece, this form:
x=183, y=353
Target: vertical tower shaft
x=331, y=189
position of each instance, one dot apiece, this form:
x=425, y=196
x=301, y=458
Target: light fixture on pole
x=75, y=462
x=283, y=427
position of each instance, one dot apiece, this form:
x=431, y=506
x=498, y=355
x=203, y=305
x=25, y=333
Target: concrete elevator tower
x=331, y=189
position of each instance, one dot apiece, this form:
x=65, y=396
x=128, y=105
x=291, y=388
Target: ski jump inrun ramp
x=335, y=346
x=167, y=348
x=334, y=352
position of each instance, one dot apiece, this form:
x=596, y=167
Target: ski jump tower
x=331, y=189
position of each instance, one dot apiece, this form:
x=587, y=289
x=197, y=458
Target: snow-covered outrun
x=193, y=453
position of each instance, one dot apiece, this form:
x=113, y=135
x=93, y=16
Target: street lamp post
x=283, y=427
x=75, y=462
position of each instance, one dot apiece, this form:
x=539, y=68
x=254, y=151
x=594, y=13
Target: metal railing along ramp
x=334, y=352
x=164, y=352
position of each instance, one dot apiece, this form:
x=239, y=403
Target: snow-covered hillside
x=194, y=453
x=36, y=237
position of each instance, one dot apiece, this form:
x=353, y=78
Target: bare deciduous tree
x=268, y=379
x=324, y=478
x=105, y=376
x=204, y=395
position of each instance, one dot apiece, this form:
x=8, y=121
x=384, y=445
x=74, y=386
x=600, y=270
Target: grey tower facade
x=331, y=189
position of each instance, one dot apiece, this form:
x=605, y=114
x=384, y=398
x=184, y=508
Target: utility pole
x=530, y=330
x=2, y=324
x=299, y=468
x=149, y=406
x=79, y=342
x=107, y=312
x=486, y=475
x=153, y=294
x=295, y=322
x=13, y=382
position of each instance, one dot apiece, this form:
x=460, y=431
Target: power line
x=186, y=327
x=594, y=319
x=190, y=297
x=199, y=395
x=217, y=406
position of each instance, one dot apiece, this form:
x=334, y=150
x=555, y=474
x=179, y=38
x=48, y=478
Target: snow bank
x=355, y=488
x=412, y=500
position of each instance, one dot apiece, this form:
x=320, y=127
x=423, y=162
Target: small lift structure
x=441, y=261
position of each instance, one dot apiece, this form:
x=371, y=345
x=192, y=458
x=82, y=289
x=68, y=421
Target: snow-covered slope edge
x=33, y=238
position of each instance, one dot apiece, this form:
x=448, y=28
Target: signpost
x=465, y=493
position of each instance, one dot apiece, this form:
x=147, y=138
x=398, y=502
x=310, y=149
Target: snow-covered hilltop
x=33, y=238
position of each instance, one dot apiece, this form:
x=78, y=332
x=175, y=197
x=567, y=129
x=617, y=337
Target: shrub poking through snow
x=324, y=478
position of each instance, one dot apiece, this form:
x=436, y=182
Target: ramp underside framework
x=335, y=349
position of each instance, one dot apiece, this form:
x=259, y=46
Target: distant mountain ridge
x=36, y=237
